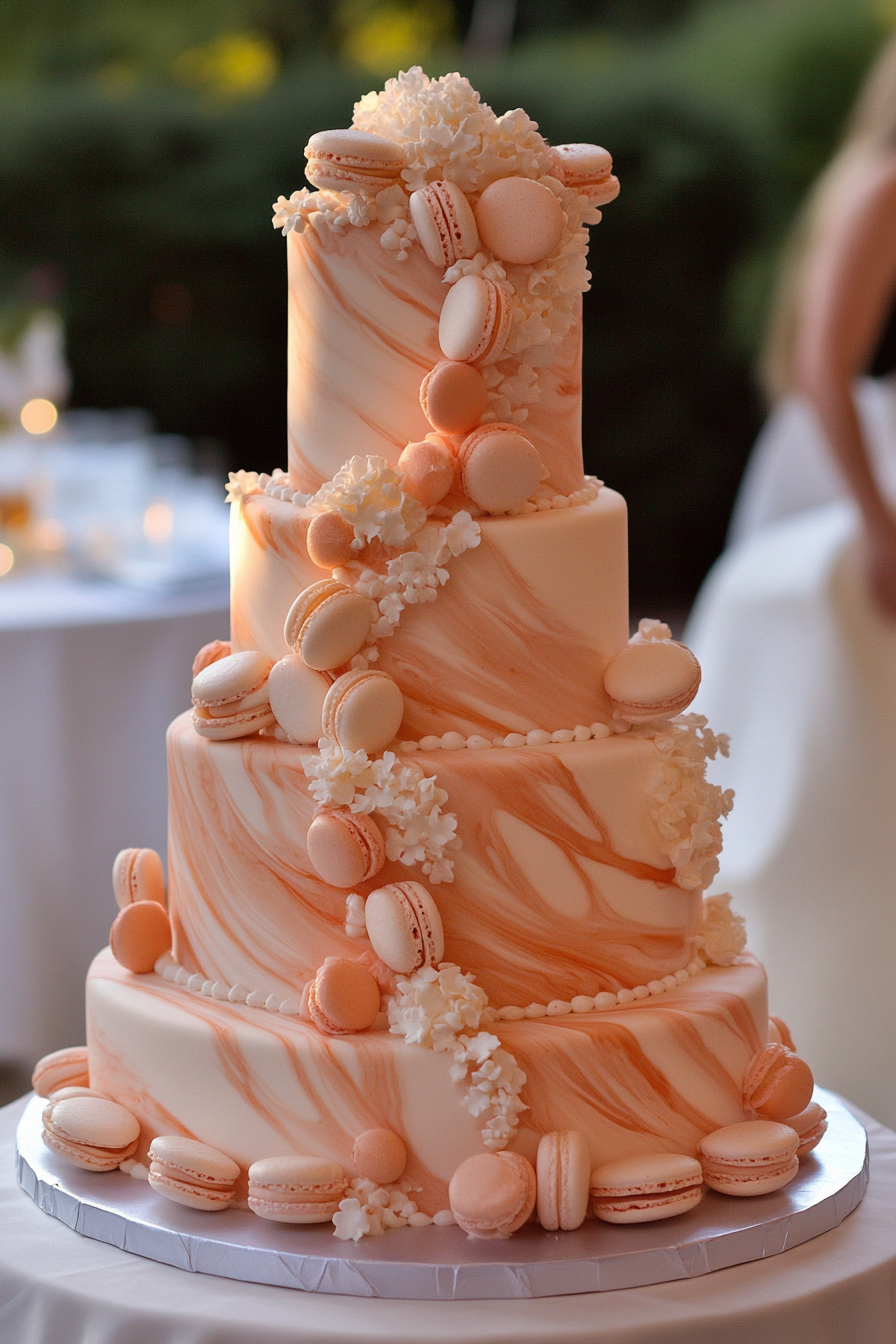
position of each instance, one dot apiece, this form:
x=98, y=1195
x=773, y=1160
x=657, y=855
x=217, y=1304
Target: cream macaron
x=297, y=695
x=345, y=847
x=453, y=397
x=94, y=1133
x=492, y=1194
x=328, y=540
x=61, y=1068
x=357, y=161
x=192, y=1173
x=342, y=998
x=652, y=680
x=645, y=1188
x=328, y=624
x=587, y=169
x=296, y=1189
x=752, y=1157
x=211, y=653
x=230, y=696
x=137, y=875
x=427, y=470
x=777, y=1084
x=475, y=321
x=563, y=1171
x=445, y=223
x=520, y=221
x=140, y=934
x=363, y=711
x=499, y=467
x=380, y=1155
x=404, y=927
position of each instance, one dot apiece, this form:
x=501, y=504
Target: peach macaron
x=297, y=693
x=563, y=1171
x=777, y=1083
x=342, y=998
x=328, y=540
x=453, y=396
x=361, y=162
x=137, y=875
x=192, y=1173
x=811, y=1126
x=445, y=224
x=651, y=680
x=645, y=1188
x=210, y=653
x=61, y=1068
x=140, y=934
x=520, y=221
x=345, y=847
x=427, y=470
x=492, y=1194
x=296, y=1189
x=500, y=467
x=328, y=624
x=404, y=927
x=92, y=1132
x=475, y=321
x=587, y=169
x=363, y=711
x=380, y=1155
x=230, y=697
x=752, y=1157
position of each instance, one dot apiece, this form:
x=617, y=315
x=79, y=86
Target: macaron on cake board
x=440, y=828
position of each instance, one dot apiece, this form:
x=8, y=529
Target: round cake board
x=441, y=1263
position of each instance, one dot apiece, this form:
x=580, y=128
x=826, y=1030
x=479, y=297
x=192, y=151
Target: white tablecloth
x=59, y=1288
x=90, y=677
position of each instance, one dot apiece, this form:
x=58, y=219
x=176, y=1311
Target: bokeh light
x=38, y=416
x=7, y=559
x=158, y=521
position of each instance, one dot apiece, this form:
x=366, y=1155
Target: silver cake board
x=441, y=1263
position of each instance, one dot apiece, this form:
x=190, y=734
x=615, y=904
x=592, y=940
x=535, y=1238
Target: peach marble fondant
x=518, y=638
x=655, y=1076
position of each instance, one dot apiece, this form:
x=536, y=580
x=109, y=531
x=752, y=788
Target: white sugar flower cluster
x=413, y=577
x=495, y=1082
x=686, y=807
x=724, y=933
x=419, y=832
x=433, y=1007
x=650, y=629
x=371, y=1209
x=241, y=484
x=448, y=132
x=441, y=1009
x=367, y=492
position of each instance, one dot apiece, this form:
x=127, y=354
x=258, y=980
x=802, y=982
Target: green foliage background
x=149, y=201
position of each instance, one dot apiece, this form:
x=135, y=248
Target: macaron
x=752, y=1157
x=137, y=875
x=343, y=997
x=296, y=1189
x=61, y=1068
x=297, y=695
x=563, y=1171
x=363, y=711
x=520, y=221
x=645, y=1188
x=404, y=927
x=328, y=540
x=492, y=1194
x=357, y=161
x=499, y=467
x=192, y=1173
x=653, y=680
x=779, y=1031
x=211, y=653
x=92, y=1132
x=445, y=223
x=427, y=470
x=328, y=624
x=379, y=1155
x=64, y=1093
x=588, y=169
x=453, y=396
x=475, y=321
x=230, y=697
x=345, y=847
x=139, y=935
x=810, y=1125
x=777, y=1083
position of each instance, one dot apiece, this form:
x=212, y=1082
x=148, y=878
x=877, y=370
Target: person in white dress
x=796, y=629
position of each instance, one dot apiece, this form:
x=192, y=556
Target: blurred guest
x=796, y=628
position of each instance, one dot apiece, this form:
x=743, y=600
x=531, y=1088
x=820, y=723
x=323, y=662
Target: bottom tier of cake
x=657, y=1074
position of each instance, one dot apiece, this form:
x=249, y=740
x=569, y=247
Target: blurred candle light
x=38, y=416
x=7, y=559
x=158, y=521
x=51, y=535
